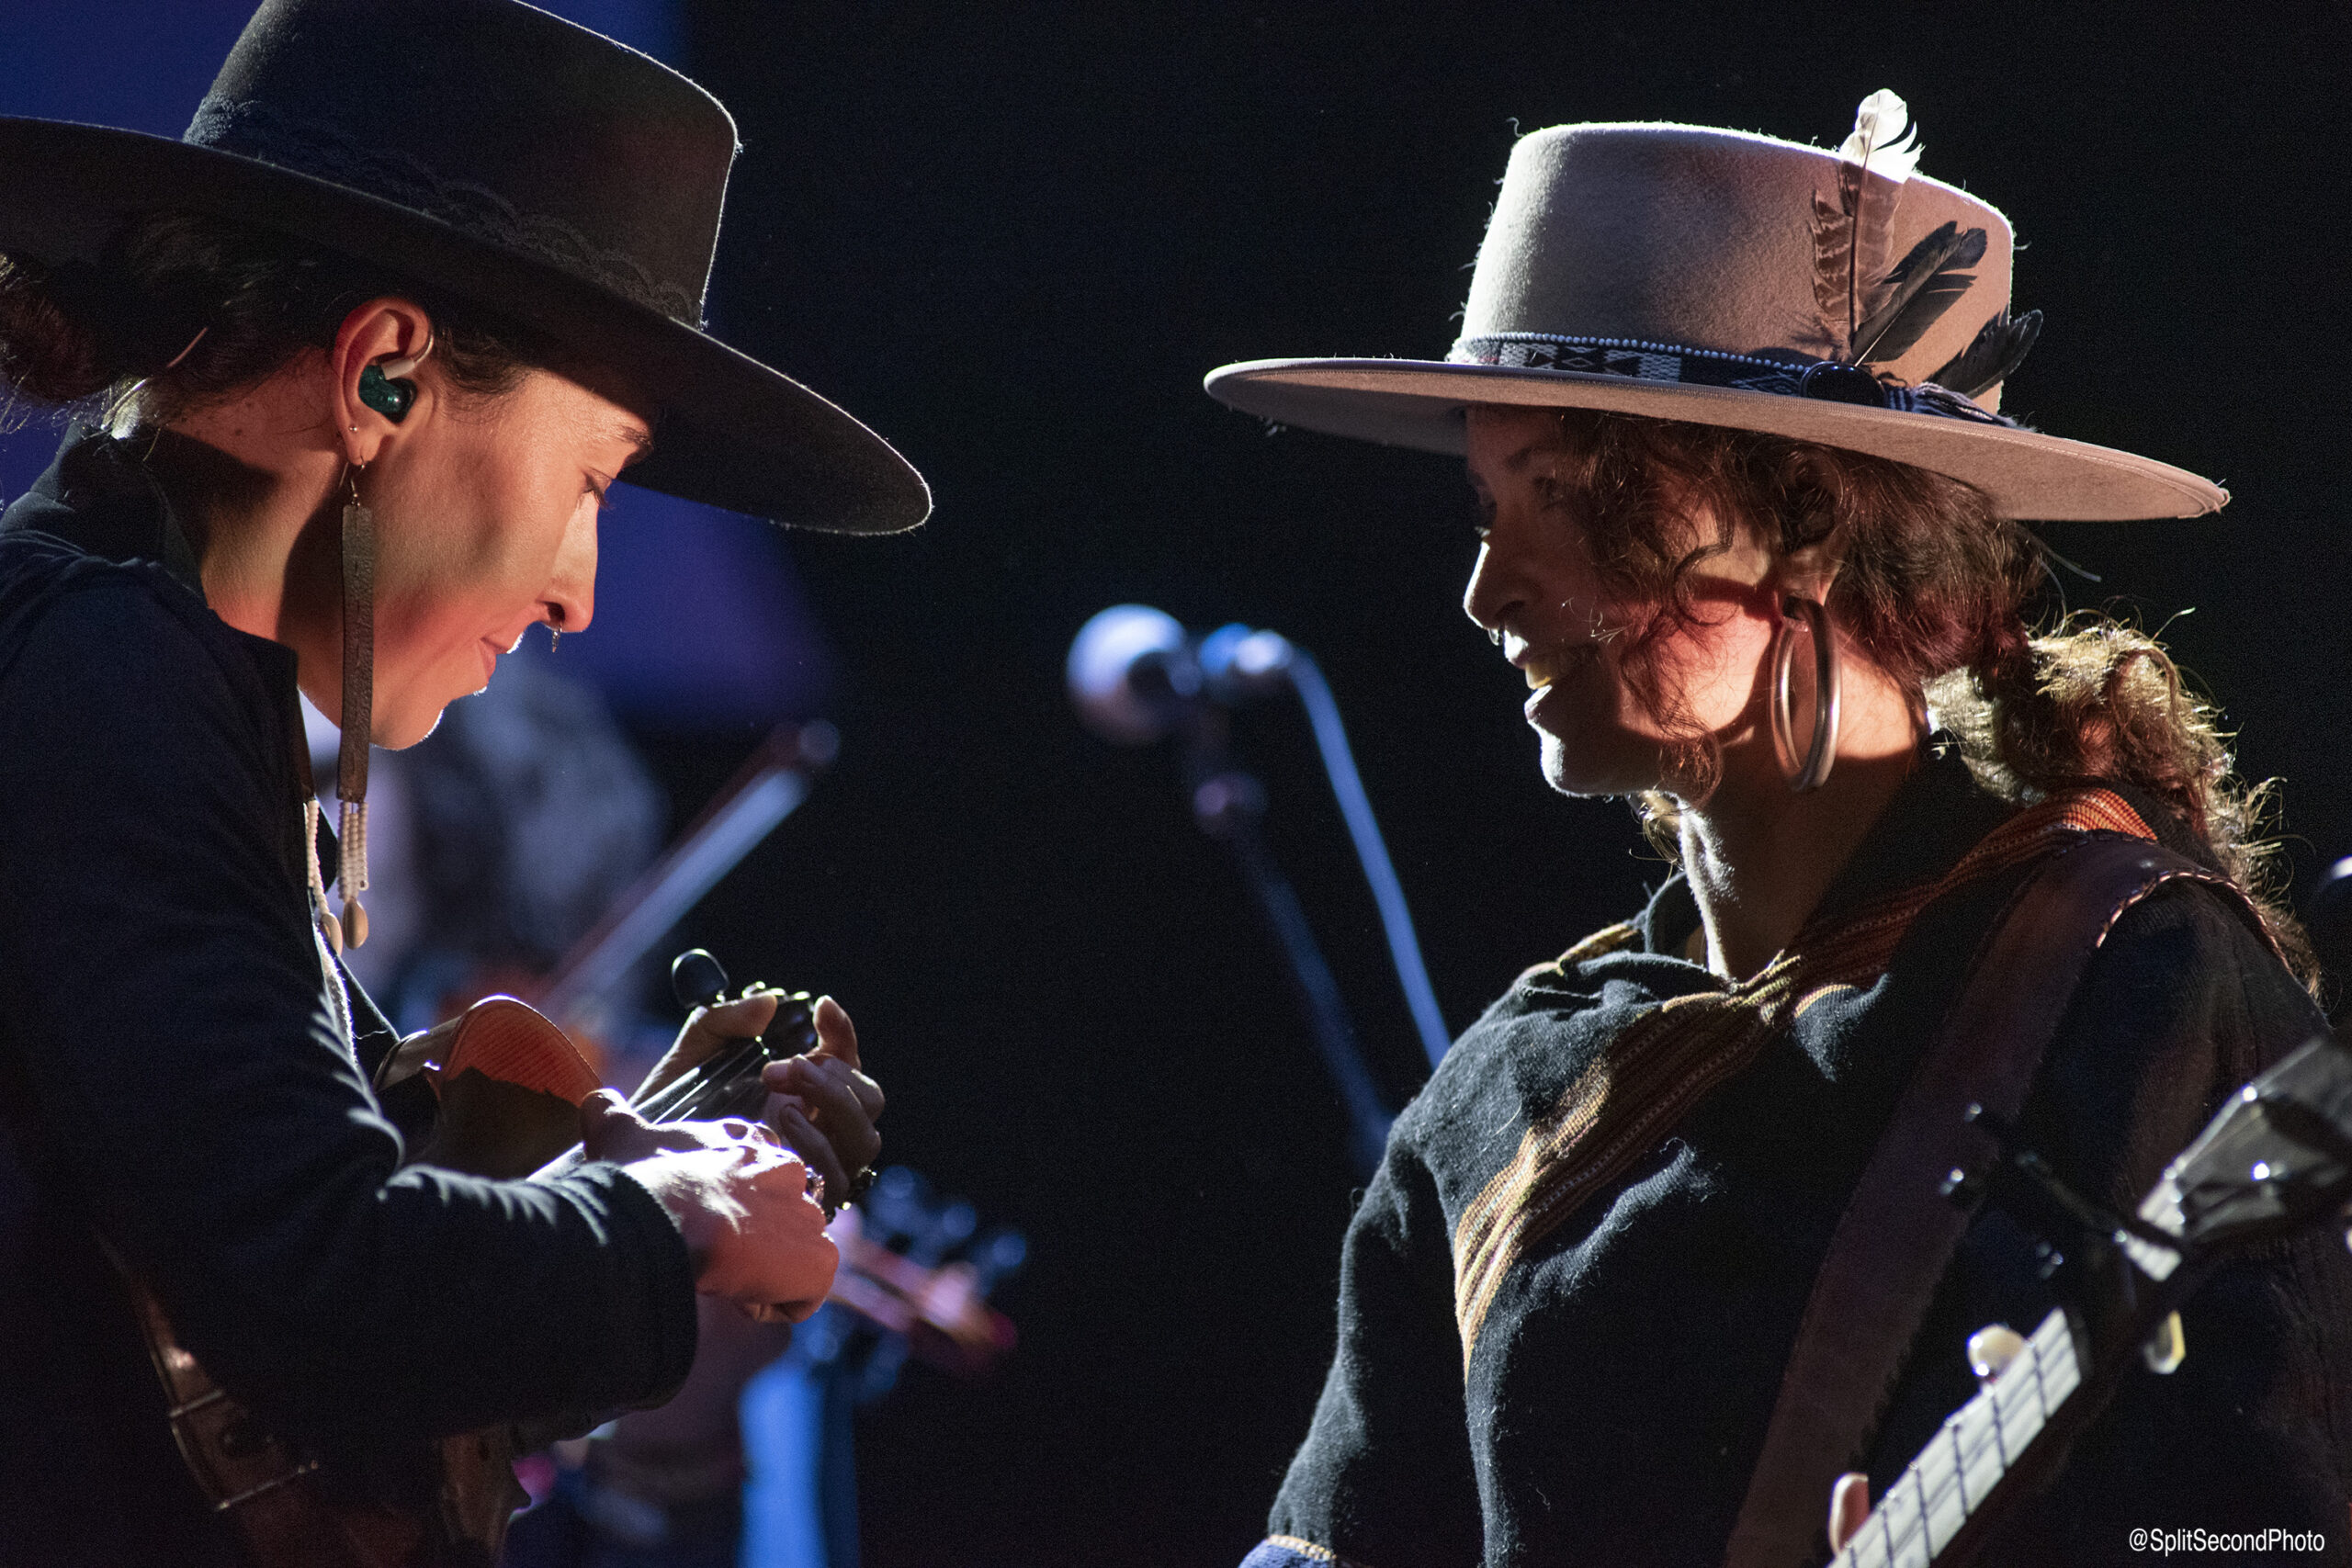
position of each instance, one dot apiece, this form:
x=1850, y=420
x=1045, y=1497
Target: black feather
x=1995, y=354
x=1923, y=286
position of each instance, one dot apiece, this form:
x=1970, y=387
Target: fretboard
x=1954, y=1475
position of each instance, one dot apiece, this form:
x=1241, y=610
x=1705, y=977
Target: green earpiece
x=386, y=395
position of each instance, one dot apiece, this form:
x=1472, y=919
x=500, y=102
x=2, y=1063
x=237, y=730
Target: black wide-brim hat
x=507, y=158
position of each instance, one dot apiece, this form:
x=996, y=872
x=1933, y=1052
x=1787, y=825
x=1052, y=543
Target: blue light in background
x=700, y=620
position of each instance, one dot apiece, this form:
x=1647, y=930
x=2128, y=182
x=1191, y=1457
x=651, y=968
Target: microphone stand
x=1228, y=803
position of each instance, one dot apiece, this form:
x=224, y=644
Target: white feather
x=1884, y=142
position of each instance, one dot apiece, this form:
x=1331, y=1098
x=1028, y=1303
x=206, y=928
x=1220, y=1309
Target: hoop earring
x=1814, y=771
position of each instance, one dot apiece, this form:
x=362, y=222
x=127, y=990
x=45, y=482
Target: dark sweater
x=1622, y=1381
x=175, y=1076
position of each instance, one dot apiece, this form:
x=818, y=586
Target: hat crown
x=509, y=124
x=1685, y=236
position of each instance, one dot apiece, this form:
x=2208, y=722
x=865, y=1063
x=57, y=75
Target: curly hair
x=1934, y=589
x=102, y=335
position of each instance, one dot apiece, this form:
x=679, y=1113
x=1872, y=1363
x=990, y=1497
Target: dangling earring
x=555, y=626
x=1814, y=771
x=358, y=704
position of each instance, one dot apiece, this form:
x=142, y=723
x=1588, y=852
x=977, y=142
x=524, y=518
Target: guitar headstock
x=2277, y=1158
x=919, y=1268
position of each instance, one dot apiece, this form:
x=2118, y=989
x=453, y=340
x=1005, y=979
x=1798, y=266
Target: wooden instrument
x=510, y=1084
x=2275, y=1161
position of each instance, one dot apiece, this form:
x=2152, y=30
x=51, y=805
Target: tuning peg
x=2021, y=1176
x=1991, y=1349
x=2165, y=1348
x=698, y=979
x=2003, y=1131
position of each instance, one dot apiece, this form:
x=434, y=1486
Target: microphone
x=1134, y=672
x=1136, y=675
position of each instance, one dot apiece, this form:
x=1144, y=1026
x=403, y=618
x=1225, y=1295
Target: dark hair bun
x=50, y=349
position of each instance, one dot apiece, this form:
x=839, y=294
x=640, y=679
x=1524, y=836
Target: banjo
x=2275, y=1161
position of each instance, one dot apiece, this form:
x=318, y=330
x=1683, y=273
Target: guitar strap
x=1899, y=1231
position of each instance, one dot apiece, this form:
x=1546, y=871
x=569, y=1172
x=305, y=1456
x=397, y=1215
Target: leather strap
x=1899, y=1231
x=266, y=1488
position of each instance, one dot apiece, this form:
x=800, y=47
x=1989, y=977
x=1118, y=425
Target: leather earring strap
x=358, y=705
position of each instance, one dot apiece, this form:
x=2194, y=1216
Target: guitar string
x=709, y=1087
x=687, y=1094
x=2031, y=1390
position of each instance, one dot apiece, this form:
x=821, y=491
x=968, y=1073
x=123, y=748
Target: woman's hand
x=753, y=1229
x=824, y=1106
x=821, y=1105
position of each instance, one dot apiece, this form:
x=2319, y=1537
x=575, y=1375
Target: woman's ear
x=1806, y=572
x=376, y=349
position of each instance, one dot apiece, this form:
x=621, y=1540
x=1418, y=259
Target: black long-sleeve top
x=180, y=1075
x=1621, y=1368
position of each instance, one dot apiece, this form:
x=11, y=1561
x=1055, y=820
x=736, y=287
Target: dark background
x=1012, y=238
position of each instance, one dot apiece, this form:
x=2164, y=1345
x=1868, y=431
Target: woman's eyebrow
x=635, y=435
x=1512, y=463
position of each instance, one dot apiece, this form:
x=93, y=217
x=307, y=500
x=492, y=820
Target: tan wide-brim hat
x=1683, y=273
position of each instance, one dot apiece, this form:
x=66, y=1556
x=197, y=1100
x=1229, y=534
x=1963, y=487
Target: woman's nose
x=571, y=599
x=1514, y=571
x=1488, y=598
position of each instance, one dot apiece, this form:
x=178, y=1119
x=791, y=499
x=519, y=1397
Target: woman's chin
x=1577, y=766
x=398, y=727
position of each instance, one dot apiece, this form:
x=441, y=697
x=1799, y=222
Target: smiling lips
x=1542, y=669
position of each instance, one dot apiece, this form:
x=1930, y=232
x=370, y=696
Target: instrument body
x=509, y=1083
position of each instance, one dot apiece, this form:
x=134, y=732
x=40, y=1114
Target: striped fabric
x=1289, y=1551
x=1649, y=1077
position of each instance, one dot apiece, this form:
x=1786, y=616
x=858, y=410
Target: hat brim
x=1419, y=403
x=732, y=433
